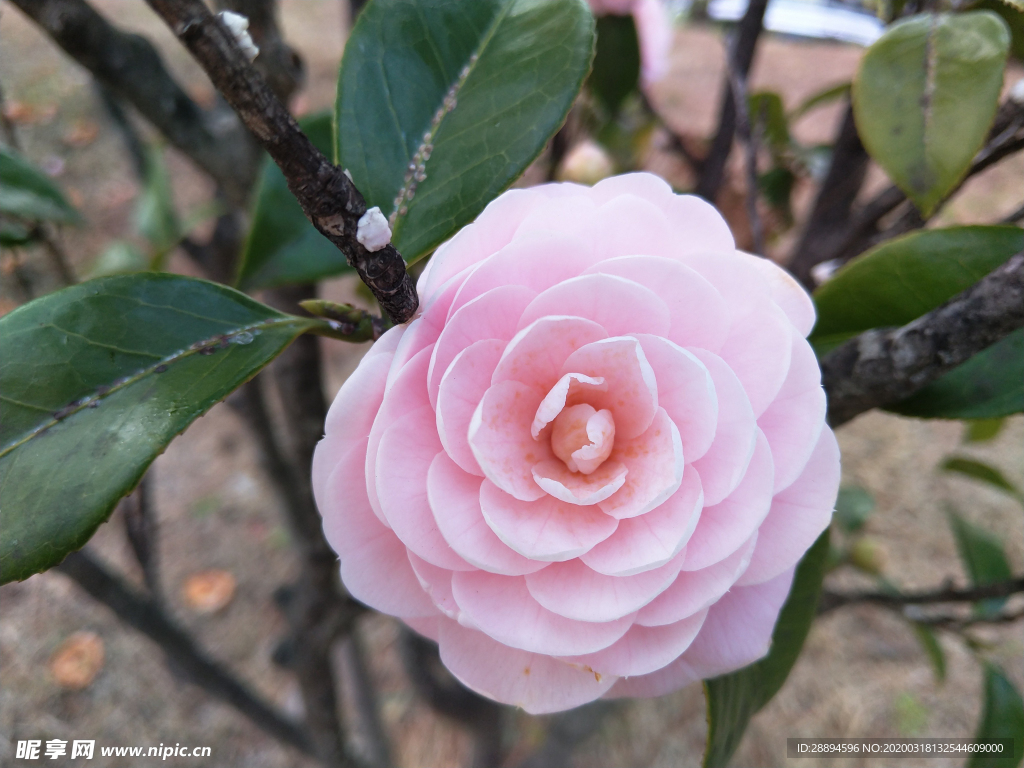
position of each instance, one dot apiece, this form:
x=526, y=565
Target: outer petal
x=619, y=305
x=576, y=488
x=492, y=315
x=632, y=392
x=787, y=293
x=630, y=224
x=798, y=514
x=733, y=276
x=573, y=590
x=697, y=226
x=643, y=650
x=794, y=420
x=535, y=682
x=655, y=463
x=698, y=315
x=694, y=590
x=725, y=463
x=536, y=354
x=644, y=185
x=501, y=607
x=548, y=530
x=736, y=632
x=499, y=435
x=406, y=452
x=374, y=565
x=437, y=583
x=725, y=526
x=651, y=540
x=758, y=351
x=454, y=497
x=462, y=388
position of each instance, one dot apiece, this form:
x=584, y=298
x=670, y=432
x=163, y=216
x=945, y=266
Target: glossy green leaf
x=28, y=193
x=1002, y=717
x=12, y=234
x=616, y=71
x=904, y=278
x=442, y=105
x=734, y=698
x=989, y=385
x=820, y=99
x=983, y=472
x=854, y=506
x=930, y=645
x=282, y=246
x=983, y=558
x=96, y=380
x=925, y=95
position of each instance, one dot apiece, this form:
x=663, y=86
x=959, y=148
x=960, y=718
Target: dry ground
x=861, y=674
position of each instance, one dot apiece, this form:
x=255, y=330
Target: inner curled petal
x=583, y=437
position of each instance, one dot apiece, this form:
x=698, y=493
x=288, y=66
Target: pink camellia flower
x=589, y=465
x=653, y=32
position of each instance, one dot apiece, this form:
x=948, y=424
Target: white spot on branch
x=238, y=26
x=372, y=231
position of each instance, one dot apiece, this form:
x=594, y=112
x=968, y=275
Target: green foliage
x=155, y=216
x=983, y=472
x=119, y=258
x=1002, y=718
x=442, y=105
x=820, y=99
x=96, y=380
x=930, y=644
x=766, y=111
x=27, y=193
x=854, y=506
x=735, y=698
x=282, y=246
x=983, y=430
x=925, y=95
x=983, y=558
x=616, y=71
x=1012, y=12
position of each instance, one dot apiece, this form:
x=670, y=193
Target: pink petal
x=632, y=394
x=534, y=682
x=794, y=420
x=546, y=529
x=694, y=590
x=787, y=293
x=374, y=565
x=437, y=583
x=574, y=388
x=643, y=650
x=619, y=305
x=644, y=185
x=535, y=355
x=564, y=215
x=698, y=315
x=722, y=467
x=387, y=343
x=724, y=527
x=629, y=224
x=406, y=451
x=422, y=331
x=454, y=497
x=499, y=435
x=736, y=632
x=573, y=590
x=492, y=315
x=758, y=351
x=798, y=514
x=655, y=463
x=428, y=627
x=502, y=607
x=697, y=226
x=405, y=392
x=651, y=540
x=687, y=393
x=461, y=390
x=575, y=488
x=740, y=283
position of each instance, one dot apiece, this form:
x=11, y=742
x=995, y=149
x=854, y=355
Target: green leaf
x=28, y=193
x=96, y=380
x=930, y=644
x=734, y=698
x=155, y=217
x=902, y=279
x=616, y=72
x=983, y=430
x=13, y=234
x=925, y=95
x=983, y=472
x=989, y=385
x=766, y=111
x=119, y=258
x=820, y=99
x=854, y=506
x=442, y=105
x=1012, y=12
x=282, y=246
x=1001, y=718
x=983, y=559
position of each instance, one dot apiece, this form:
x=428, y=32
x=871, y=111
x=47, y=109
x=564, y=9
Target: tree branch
x=328, y=197
x=884, y=366
x=145, y=616
x=745, y=132
x=832, y=600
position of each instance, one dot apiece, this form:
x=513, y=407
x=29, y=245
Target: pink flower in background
x=590, y=464
x=653, y=31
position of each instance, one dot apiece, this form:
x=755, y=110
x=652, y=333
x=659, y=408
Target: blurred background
x=69, y=669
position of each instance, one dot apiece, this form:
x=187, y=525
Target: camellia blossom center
x=583, y=437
